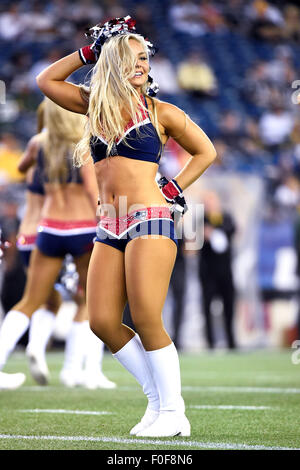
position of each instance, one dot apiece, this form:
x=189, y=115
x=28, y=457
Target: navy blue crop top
x=73, y=173
x=145, y=144
x=36, y=185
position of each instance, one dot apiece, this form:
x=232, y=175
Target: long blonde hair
x=40, y=116
x=63, y=130
x=110, y=92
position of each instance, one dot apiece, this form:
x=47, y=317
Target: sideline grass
x=264, y=386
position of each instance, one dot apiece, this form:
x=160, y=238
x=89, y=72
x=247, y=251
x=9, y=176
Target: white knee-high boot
x=11, y=381
x=94, y=351
x=166, y=372
x=13, y=327
x=133, y=357
x=71, y=374
x=41, y=328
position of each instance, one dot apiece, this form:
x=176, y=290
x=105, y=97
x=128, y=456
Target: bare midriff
x=126, y=185
x=67, y=202
x=31, y=218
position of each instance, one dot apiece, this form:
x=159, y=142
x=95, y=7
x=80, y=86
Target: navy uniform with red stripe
x=56, y=238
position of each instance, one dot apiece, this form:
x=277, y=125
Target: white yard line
x=75, y=412
x=221, y=389
x=230, y=407
x=230, y=389
x=241, y=389
x=175, y=443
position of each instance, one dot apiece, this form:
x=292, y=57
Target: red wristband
x=171, y=190
x=86, y=55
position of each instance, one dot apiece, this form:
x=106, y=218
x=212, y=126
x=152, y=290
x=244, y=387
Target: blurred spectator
x=144, y=21
x=252, y=145
x=12, y=23
x=212, y=16
x=291, y=28
x=185, y=17
x=10, y=153
x=86, y=12
x=196, y=76
x=281, y=70
x=115, y=9
x=14, y=276
x=240, y=143
x=65, y=27
x=252, y=131
x=287, y=194
x=13, y=70
x=27, y=101
x=51, y=56
x=257, y=88
x=266, y=20
x=227, y=157
x=177, y=284
x=231, y=128
x=39, y=25
x=233, y=13
x=276, y=264
x=16, y=77
x=59, y=9
x=164, y=74
x=215, y=269
x=276, y=126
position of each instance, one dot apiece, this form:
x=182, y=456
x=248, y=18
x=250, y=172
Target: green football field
x=242, y=400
